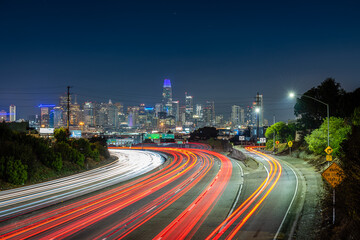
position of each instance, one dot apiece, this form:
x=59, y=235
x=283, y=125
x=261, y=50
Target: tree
x=204, y=133
x=317, y=140
x=283, y=132
x=15, y=171
x=83, y=146
x=312, y=112
x=347, y=195
x=61, y=135
x=2, y=167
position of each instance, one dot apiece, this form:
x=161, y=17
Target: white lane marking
x=130, y=164
x=263, y=187
x=296, y=188
x=239, y=193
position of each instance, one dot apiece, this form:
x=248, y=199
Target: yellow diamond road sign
x=334, y=175
x=328, y=150
x=328, y=158
x=290, y=143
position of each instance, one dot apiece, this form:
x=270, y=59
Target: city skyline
x=169, y=114
x=60, y=100
x=226, y=51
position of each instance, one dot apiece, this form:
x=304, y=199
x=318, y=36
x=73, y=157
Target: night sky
x=225, y=51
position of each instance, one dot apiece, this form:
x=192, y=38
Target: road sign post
x=241, y=138
x=277, y=144
x=290, y=143
x=328, y=151
x=333, y=175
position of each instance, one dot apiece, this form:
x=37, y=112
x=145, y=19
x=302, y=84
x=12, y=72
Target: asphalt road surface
x=196, y=194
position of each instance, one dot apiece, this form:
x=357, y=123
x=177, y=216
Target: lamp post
x=292, y=95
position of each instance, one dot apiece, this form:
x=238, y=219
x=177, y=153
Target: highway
x=129, y=165
x=196, y=194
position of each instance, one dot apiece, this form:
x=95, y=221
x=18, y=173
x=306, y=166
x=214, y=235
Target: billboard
x=46, y=130
x=75, y=133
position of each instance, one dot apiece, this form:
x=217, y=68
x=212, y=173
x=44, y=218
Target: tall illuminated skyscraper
x=259, y=104
x=209, y=113
x=235, y=115
x=167, y=97
x=45, y=114
x=175, y=110
x=89, y=114
x=12, y=113
x=189, y=109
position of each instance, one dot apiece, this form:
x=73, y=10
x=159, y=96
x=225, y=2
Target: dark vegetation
x=312, y=113
x=204, y=133
x=25, y=159
x=347, y=225
x=345, y=140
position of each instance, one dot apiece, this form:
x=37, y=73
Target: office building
x=209, y=113
x=258, y=104
x=12, y=113
x=3, y=116
x=167, y=97
x=89, y=114
x=45, y=114
x=176, y=110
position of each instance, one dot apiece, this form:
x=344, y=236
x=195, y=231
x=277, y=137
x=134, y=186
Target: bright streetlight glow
x=292, y=95
x=257, y=110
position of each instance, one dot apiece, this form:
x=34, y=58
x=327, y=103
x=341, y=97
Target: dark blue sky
x=225, y=51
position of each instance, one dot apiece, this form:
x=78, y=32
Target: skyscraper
x=45, y=115
x=209, y=113
x=189, y=108
x=167, y=97
x=259, y=105
x=89, y=114
x=12, y=113
x=112, y=114
x=57, y=117
x=175, y=110
x=235, y=115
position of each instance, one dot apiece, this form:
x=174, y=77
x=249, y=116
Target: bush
x=15, y=172
x=317, y=140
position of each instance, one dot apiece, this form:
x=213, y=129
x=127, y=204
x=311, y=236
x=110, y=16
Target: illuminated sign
x=159, y=135
x=46, y=130
x=75, y=133
x=152, y=136
x=167, y=136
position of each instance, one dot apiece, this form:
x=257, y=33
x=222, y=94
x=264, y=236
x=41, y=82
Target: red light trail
x=156, y=192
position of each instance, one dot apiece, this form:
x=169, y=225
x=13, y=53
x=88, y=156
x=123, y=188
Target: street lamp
x=292, y=95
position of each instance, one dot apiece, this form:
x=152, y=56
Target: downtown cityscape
x=169, y=115
x=179, y=120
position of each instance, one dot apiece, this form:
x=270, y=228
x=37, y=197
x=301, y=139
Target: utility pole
x=68, y=109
